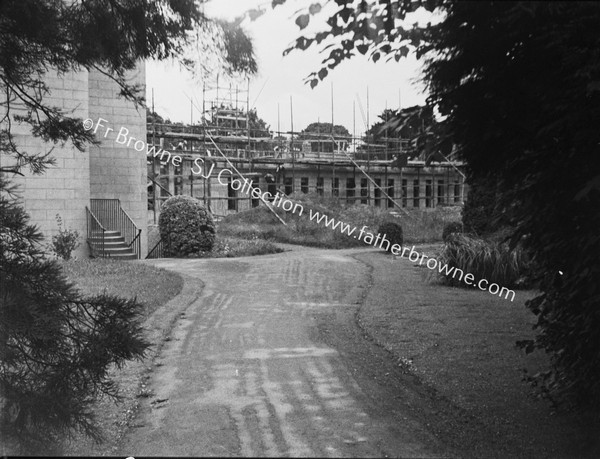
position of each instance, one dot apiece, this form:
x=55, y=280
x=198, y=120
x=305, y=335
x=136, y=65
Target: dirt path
x=246, y=373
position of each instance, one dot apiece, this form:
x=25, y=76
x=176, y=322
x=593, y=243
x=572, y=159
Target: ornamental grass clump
x=57, y=345
x=494, y=261
x=186, y=227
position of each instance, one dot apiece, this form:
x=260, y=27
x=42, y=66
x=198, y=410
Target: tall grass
x=419, y=225
x=427, y=225
x=491, y=260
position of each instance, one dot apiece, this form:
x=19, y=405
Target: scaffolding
x=383, y=173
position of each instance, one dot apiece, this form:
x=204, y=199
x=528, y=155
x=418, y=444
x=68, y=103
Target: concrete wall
x=64, y=188
x=106, y=171
x=118, y=171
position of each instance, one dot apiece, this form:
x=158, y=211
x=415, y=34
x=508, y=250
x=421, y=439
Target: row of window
x=379, y=198
x=378, y=195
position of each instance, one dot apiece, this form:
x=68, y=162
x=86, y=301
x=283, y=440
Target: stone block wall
x=110, y=170
x=118, y=171
x=64, y=188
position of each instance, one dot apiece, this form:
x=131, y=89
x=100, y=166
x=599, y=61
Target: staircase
x=114, y=246
x=111, y=233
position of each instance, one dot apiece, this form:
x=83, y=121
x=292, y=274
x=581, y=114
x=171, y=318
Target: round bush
x=452, y=228
x=186, y=227
x=393, y=233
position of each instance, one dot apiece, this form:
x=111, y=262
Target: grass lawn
x=152, y=286
x=418, y=226
x=461, y=343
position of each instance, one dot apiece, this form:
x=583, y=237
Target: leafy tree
x=318, y=130
x=480, y=213
x=257, y=126
x=323, y=132
x=519, y=86
x=371, y=28
x=155, y=117
x=413, y=122
x=426, y=137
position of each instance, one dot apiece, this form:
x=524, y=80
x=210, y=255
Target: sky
x=389, y=84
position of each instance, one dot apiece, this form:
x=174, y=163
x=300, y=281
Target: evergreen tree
x=56, y=346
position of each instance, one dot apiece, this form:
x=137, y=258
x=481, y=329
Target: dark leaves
x=238, y=49
x=362, y=48
x=57, y=346
x=255, y=13
x=345, y=14
x=519, y=86
x=302, y=21
x=314, y=8
x=370, y=27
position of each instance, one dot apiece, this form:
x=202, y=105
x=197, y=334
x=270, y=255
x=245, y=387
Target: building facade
x=81, y=183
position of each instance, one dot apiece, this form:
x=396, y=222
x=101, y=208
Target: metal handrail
x=138, y=247
x=90, y=231
x=130, y=231
x=158, y=248
x=110, y=213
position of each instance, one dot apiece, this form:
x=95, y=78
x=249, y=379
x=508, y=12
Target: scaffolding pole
x=375, y=184
x=292, y=146
x=268, y=204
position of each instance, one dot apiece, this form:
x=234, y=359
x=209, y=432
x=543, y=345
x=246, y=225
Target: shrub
x=56, y=346
x=451, y=228
x=493, y=261
x=393, y=232
x=479, y=211
x=186, y=227
x=65, y=242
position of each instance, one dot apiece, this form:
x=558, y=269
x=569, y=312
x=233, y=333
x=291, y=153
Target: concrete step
x=95, y=233
x=111, y=241
x=124, y=253
x=122, y=256
x=114, y=245
x=116, y=249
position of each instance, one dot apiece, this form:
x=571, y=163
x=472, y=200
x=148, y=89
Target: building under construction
x=352, y=169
